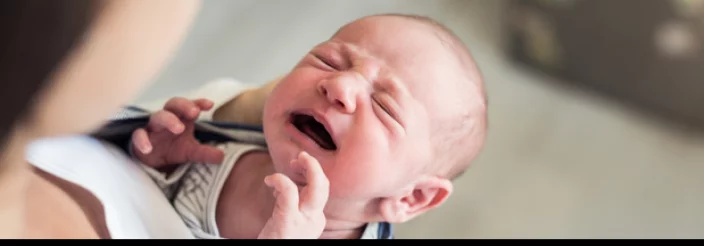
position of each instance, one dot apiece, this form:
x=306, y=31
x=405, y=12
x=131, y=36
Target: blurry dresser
x=648, y=54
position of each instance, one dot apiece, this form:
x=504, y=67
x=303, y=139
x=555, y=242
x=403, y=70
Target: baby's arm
x=247, y=107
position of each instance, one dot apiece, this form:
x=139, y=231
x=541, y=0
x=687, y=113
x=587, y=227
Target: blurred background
x=595, y=106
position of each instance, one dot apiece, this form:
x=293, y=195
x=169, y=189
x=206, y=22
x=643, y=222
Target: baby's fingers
x=205, y=154
x=204, y=104
x=286, y=193
x=166, y=120
x=141, y=142
x=315, y=194
x=187, y=109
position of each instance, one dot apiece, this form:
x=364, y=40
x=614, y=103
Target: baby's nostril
x=324, y=91
x=339, y=103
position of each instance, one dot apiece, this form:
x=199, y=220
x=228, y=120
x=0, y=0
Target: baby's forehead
x=409, y=50
x=397, y=41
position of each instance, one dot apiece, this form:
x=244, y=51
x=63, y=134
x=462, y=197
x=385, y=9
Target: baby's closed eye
x=327, y=63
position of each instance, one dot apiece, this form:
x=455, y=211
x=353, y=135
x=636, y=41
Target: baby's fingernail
x=303, y=154
x=178, y=127
x=146, y=149
x=267, y=180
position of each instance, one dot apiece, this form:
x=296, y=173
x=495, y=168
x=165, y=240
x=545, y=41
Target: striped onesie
x=194, y=190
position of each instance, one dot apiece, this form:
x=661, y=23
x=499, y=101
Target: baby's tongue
x=308, y=130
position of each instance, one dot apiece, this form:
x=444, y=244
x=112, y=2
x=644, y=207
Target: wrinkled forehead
x=409, y=50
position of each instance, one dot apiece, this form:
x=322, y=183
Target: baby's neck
x=246, y=200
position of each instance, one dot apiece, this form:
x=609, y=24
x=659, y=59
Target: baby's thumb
x=203, y=153
x=286, y=193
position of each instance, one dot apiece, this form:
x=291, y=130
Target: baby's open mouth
x=314, y=130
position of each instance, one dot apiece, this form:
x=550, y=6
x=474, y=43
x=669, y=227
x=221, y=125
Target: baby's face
x=361, y=104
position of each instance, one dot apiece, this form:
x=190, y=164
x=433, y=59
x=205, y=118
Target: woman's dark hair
x=35, y=37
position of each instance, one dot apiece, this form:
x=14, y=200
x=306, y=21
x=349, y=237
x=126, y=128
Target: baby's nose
x=342, y=91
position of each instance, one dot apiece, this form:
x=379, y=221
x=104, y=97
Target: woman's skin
x=126, y=47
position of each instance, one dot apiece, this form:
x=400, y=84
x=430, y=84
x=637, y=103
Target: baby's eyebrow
x=384, y=77
x=352, y=52
x=392, y=84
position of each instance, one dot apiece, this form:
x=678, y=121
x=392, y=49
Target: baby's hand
x=298, y=214
x=168, y=137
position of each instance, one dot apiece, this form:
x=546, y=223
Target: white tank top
x=135, y=208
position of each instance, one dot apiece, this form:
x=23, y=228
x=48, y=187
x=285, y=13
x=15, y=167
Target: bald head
x=459, y=135
x=458, y=99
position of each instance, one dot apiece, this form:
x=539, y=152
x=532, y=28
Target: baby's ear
x=425, y=195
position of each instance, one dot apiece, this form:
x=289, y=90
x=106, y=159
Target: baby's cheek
x=349, y=186
x=358, y=178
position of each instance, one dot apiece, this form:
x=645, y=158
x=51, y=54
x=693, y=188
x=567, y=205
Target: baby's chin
x=288, y=168
x=281, y=153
